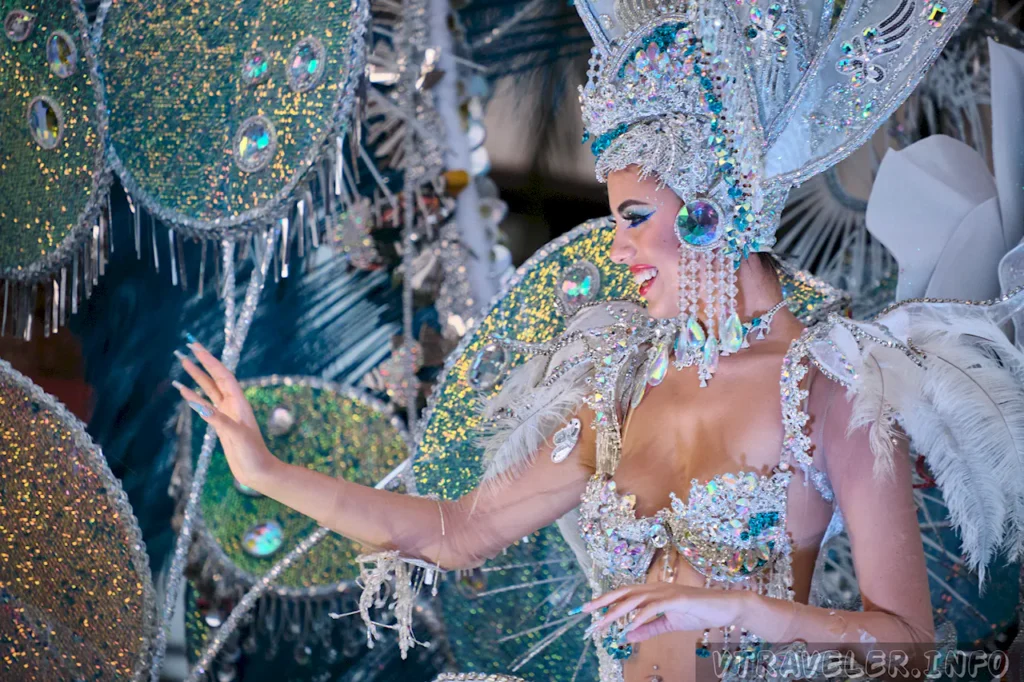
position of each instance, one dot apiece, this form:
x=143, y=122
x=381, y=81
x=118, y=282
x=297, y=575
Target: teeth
x=645, y=275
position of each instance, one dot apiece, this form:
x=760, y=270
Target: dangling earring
x=700, y=231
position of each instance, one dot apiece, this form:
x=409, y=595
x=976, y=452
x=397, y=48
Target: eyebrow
x=630, y=202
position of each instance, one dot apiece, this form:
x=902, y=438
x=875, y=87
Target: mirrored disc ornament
x=45, y=122
x=61, y=54
x=306, y=64
x=18, y=25
x=699, y=224
x=488, y=366
x=255, y=144
x=255, y=68
x=580, y=284
x=263, y=539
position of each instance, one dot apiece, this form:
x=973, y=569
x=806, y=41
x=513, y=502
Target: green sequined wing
x=53, y=178
x=519, y=601
x=218, y=109
x=75, y=587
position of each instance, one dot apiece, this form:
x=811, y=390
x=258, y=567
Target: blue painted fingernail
x=204, y=411
x=178, y=354
x=190, y=338
x=576, y=611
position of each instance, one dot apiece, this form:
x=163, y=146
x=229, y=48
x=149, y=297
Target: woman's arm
x=475, y=527
x=888, y=555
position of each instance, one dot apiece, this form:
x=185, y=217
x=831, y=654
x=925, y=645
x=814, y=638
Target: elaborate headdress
x=731, y=103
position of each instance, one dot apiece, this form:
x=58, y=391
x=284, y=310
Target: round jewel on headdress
x=699, y=224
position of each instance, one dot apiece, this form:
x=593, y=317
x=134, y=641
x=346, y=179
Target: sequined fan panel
x=76, y=601
x=51, y=147
x=309, y=423
x=218, y=108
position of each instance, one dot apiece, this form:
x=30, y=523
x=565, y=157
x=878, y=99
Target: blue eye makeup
x=637, y=215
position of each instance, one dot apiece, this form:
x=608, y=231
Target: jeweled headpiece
x=730, y=103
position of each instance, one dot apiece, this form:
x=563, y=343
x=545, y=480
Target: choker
x=689, y=344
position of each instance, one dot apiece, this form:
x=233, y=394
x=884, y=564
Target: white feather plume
x=511, y=441
x=964, y=411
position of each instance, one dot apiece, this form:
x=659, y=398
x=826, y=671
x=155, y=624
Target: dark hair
x=770, y=262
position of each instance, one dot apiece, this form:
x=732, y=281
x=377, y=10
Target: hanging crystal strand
x=101, y=242
x=179, y=244
x=63, y=296
x=685, y=338
x=28, y=309
x=300, y=227
x=202, y=266
x=137, y=220
x=97, y=255
x=732, y=328
x=55, y=306
x=7, y=297
x=87, y=267
x=285, y=245
x=152, y=233
x=173, y=257
x=74, y=283
x=46, y=311
x=709, y=356
x=109, y=222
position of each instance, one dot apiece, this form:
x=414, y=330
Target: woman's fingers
x=201, y=378
x=620, y=609
x=649, y=622
x=609, y=598
x=221, y=423
x=222, y=376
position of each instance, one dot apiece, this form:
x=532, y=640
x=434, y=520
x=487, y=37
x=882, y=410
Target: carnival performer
x=698, y=498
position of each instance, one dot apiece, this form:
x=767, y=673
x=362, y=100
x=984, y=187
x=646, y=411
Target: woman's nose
x=622, y=248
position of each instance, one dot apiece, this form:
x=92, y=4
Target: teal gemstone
x=263, y=539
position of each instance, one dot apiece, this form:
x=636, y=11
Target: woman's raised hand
x=228, y=412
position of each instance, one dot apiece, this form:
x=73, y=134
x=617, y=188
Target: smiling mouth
x=645, y=279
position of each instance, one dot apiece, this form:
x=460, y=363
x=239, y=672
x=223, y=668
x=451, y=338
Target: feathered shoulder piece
x=593, y=361
x=947, y=374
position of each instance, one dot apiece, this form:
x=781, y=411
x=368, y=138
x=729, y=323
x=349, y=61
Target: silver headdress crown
x=732, y=102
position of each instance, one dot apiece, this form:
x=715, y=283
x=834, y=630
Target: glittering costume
x=729, y=105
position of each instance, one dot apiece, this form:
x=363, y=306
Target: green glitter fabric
x=49, y=197
x=541, y=574
x=177, y=100
x=336, y=432
x=76, y=598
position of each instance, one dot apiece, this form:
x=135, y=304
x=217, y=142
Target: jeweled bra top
x=731, y=528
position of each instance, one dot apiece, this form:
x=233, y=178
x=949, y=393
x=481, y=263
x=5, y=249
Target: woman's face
x=645, y=237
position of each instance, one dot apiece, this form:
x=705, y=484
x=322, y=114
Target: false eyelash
x=638, y=220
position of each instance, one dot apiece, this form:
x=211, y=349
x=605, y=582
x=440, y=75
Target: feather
x=963, y=409
x=511, y=441
x=518, y=384
x=871, y=409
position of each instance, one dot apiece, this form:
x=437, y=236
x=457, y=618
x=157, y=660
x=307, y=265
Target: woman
x=699, y=128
